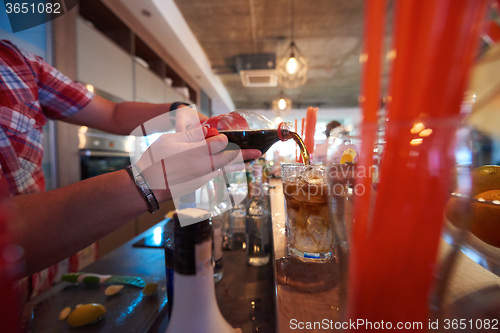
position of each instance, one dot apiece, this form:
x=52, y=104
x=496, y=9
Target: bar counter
x=309, y=292
x=244, y=295
x=266, y=299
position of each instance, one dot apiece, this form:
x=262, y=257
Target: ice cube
x=314, y=174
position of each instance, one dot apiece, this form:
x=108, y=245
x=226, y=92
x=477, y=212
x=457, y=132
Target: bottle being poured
x=249, y=130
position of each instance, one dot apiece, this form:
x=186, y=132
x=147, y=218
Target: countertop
x=245, y=294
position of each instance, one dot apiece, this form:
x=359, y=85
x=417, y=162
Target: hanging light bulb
x=292, y=69
x=282, y=104
x=291, y=65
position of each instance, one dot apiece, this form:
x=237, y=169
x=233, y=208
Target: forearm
x=53, y=225
x=129, y=115
x=121, y=118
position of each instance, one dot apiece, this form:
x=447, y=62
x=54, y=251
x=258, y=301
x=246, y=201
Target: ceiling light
x=292, y=67
x=281, y=105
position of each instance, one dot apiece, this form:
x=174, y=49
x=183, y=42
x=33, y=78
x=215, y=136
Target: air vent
x=259, y=78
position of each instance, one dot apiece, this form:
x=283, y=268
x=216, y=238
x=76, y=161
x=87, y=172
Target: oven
x=101, y=153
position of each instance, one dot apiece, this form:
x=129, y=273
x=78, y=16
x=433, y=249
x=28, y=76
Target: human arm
x=118, y=118
x=64, y=99
x=53, y=225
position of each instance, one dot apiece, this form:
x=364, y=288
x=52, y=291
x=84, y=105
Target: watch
x=144, y=188
x=176, y=105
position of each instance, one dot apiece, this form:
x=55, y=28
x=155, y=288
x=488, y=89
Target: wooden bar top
x=308, y=292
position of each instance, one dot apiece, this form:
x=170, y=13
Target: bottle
x=217, y=250
x=257, y=222
x=195, y=308
x=249, y=130
x=236, y=230
x=213, y=197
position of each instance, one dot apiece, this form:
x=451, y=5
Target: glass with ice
x=309, y=229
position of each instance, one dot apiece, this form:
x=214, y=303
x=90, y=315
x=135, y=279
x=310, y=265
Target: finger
x=224, y=158
x=196, y=134
x=217, y=143
x=250, y=154
x=184, y=117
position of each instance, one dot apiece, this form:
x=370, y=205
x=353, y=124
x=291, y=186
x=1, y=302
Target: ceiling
x=328, y=32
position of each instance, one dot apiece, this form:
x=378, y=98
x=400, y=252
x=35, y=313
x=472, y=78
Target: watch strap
x=176, y=105
x=144, y=188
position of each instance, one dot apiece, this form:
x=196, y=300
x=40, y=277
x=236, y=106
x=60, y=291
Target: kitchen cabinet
x=112, y=70
x=148, y=86
x=102, y=63
x=174, y=96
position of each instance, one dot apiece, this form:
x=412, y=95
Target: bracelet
x=144, y=188
x=176, y=105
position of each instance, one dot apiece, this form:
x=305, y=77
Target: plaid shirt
x=30, y=92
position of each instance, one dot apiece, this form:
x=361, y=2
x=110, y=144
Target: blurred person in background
x=321, y=150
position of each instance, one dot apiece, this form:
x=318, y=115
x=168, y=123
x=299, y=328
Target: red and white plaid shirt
x=30, y=92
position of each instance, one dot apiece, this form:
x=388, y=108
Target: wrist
x=162, y=192
x=176, y=105
x=143, y=188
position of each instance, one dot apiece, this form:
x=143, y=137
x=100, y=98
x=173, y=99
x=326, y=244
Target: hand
x=186, y=117
x=182, y=162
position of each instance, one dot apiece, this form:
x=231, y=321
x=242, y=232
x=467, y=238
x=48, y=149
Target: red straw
x=436, y=42
x=370, y=103
x=311, y=118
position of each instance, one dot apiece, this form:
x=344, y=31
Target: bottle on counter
x=236, y=230
x=257, y=221
x=195, y=307
x=217, y=250
x=212, y=197
x=234, y=237
x=250, y=130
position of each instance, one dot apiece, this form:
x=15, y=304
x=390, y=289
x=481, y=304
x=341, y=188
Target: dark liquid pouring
x=262, y=140
x=303, y=149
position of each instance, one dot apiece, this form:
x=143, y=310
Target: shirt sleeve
x=59, y=96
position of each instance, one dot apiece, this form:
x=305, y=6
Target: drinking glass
x=309, y=229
